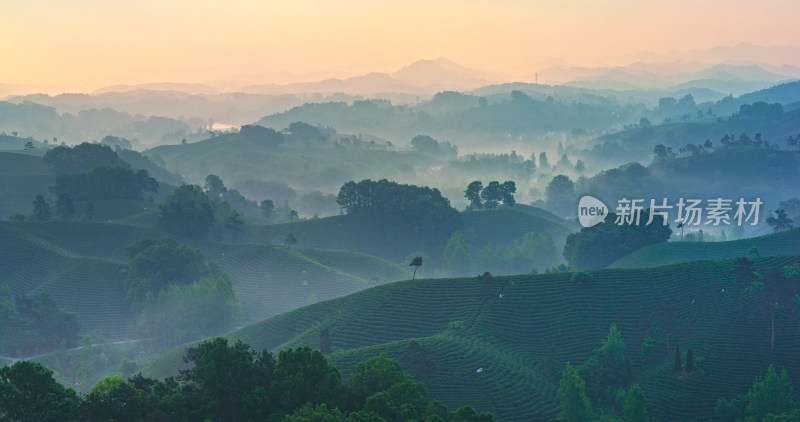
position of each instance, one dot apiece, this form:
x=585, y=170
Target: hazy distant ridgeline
x=522, y=339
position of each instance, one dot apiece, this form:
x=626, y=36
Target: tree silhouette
x=416, y=263
x=782, y=222
x=473, y=195
x=65, y=208
x=290, y=240
x=492, y=194
x=41, y=209
x=90, y=214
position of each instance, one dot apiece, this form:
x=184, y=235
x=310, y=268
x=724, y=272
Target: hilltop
x=522, y=339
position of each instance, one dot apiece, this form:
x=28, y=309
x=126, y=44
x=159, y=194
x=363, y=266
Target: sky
x=88, y=44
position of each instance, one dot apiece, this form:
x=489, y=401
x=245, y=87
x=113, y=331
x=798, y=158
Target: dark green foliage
x=507, y=191
x=81, y=158
x=114, y=399
x=106, y=182
x=729, y=411
x=325, y=342
x=187, y=212
x=290, y=240
x=598, y=246
x=421, y=210
x=573, y=404
x=560, y=195
x=416, y=263
x=771, y=393
x=473, y=195
x=689, y=362
x=303, y=375
x=267, y=208
x=156, y=264
x=456, y=255
x=262, y=135
x=534, y=250
x=34, y=324
x=182, y=313
x=678, y=368
x=635, y=409
x=416, y=361
x=65, y=208
x=492, y=194
x=41, y=209
x=28, y=392
x=214, y=186
x=608, y=369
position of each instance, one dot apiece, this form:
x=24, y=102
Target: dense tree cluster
x=419, y=209
x=33, y=324
x=106, y=182
x=178, y=297
x=80, y=158
x=427, y=145
x=598, y=246
x=233, y=383
x=262, y=135
x=491, y=195
x=187, y=212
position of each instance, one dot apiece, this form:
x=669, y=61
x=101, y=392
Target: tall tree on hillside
x=456, y=255
x=507, y=191
x=41, y=209
x=187, y=212
x=782, y=222
x=214, y=186
x=771, y=393
x=560, y=193
x=65, y=208
x=635, y=409
x=473, y=195
x=416, y=263
x=89, y=211
x=573, y=404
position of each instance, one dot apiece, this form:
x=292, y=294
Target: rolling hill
x=83, y=265
x=522, y=339
x=783, y=243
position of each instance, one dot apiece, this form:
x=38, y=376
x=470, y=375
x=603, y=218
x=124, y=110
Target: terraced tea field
x=522, y=340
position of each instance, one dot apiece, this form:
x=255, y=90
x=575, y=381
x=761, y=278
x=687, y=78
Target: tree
x=267, y=208
x=608, y=368
x=635, y=409
x=492, y=194
x=325, y=342
x=41, y=209
x=560, y=194
x=689, y=362
x=781, y=222
x=543, y=164
x=302, y=375
x=65, y=208
x=678, y=365
x=261, y=135
x=235, y=223
x=771, y=393
x=290, y=240
x=28, y=146
x=187, y=212
x=416, y=263
x=473, y=195
x=28, y=392
x=456, y=255
x=573, y=404
x=89, y=212
x=214, y=186
x=507, y=191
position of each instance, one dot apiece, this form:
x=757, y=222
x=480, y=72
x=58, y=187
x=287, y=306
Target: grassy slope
x=373, y=237
x=523, y=339
x=83, y=265
x=784, y=243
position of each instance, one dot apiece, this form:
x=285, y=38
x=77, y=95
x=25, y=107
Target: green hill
x=372, y=236
x=523, y=339
x=83, y=265
x=783, y=243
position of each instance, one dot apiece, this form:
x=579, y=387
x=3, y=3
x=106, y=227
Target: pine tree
x=689, y=362
x=635, y=409
x=41, y=209
x=572, y=401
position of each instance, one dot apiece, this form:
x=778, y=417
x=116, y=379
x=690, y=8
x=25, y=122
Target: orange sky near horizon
x=88, y=44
